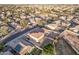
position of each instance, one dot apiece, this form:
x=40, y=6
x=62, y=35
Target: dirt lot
x=63, y=48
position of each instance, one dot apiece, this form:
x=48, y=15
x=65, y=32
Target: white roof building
x=52, y=26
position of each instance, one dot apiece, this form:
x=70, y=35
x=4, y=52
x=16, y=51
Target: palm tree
x=54, y=49
x=54, y=43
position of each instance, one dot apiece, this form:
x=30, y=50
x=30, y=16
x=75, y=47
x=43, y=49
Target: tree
x=3, y=31
x=1, y=47
x=41, y=23
x=48, y=49
x=23, y=23
x=76, y=10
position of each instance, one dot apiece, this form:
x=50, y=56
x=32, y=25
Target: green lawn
x=48, y=50
x=35, y=51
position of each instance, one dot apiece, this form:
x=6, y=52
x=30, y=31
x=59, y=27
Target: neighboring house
x=32, y=21
x=75, y=29
x=15, y=25
x=22, y=48
x=6, y=53
x=46, y=30
x=63, y=17
x=72, y=39
x=53, y=35
x=52, y=26
x=20, y=45
x=23, y=16
x=75, y=20
x=35, y=20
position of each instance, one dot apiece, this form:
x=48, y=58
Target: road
x=4, y=41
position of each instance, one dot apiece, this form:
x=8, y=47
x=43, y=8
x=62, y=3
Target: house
x=53, y=34
x=20, y=46
x=2, y=16
x=70, y=17
x=52, y=26
x=35, y=20
x=72, y=39
x=63, y=17
x=75, y=20
x=32, y=21
x=23, y=16
x=36, y=34
x=15, y=25
x=75, y=29
x=0, y=22
x=46, y=30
